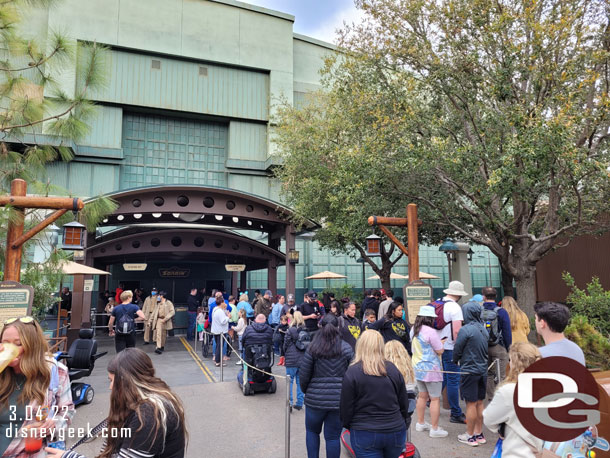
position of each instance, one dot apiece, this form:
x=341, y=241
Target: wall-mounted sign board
x=15, y=300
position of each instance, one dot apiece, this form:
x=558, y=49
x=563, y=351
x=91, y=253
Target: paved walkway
x=224, y=423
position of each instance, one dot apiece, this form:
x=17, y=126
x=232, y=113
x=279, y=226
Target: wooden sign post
x=411, y=223
x=15, y=237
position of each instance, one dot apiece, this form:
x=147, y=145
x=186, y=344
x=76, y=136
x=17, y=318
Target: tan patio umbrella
x=326, y=275
x=393, y=276
x=74, y=268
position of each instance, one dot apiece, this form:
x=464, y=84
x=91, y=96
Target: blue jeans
x=293, y=372
x=224, y=347
x=452, y=382
x=369, y=444
x=190, y=331
x=314, y=419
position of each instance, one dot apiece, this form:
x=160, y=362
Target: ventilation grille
x=203, y=71
x=156, y=64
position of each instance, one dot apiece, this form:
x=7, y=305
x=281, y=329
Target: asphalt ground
x=222, y=422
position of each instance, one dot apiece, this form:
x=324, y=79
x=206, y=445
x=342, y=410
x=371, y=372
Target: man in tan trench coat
x=162, y=321
x=150, y=304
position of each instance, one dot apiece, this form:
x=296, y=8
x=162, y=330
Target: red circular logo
x=556, y=399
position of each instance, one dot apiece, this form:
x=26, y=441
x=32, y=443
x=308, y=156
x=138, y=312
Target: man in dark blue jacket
x=497, y=323
x=470, y=352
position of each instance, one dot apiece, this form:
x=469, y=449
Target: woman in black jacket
x=374, y=403
x=294, y=355
x=393, y=327
x=321, y=373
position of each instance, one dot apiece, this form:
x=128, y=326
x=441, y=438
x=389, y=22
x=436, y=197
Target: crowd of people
x=344, y=372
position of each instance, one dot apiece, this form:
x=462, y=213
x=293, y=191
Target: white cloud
x=327, y=30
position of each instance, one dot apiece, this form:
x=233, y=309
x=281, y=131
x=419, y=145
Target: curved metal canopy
x=200, y=205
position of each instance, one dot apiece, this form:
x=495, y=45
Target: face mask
x=153, y=293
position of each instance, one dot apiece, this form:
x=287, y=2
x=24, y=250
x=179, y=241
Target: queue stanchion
x=222, y=363
x=287, y=426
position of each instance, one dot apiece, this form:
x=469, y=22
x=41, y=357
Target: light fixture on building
x=470, y=253
x=373, y=246
x=450, y=249
x=74, y=236
x=293, y=256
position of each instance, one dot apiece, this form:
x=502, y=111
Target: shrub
x=593, y=302
x=595, y=346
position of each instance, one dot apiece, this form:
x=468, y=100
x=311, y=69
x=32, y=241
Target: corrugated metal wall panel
x=80, y=178
x=106, y=128
x=247, y=141
x=103, y=179
x=584, y=258
x=178, y=85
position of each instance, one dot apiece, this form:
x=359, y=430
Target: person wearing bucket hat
x=452, y=315
x=427, y=347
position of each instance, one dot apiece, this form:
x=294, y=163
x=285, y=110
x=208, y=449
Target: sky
x=315, y=18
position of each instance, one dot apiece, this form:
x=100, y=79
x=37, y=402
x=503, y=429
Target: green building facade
x=191, y=96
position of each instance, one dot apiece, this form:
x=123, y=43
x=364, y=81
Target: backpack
x=303, y=340
x=490, y=320
x=439, y=310
x=125, y=324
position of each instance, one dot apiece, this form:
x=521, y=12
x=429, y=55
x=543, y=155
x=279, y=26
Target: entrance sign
x=174, y=272
x=132, y=267
x=235, y=267
x=15, y=300
x=416, y=294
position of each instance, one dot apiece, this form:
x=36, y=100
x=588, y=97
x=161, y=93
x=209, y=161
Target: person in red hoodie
x=117, y=293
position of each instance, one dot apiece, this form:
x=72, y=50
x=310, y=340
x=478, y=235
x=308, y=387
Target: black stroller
x=410, y=450
x=251, y=380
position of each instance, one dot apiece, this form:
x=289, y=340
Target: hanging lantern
x=74, y=236
x=373, y=245
x=293, y=256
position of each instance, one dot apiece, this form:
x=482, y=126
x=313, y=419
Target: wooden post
x=12, y=267
x=15, y=238
x=413, y=242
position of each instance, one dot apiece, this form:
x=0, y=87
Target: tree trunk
x=526, y=290
x=507, y=283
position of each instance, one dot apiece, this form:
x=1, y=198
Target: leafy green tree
x=335, y=151
x=496, y=120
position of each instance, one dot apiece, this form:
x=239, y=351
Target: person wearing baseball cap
x=289, y=306
x=452, y=315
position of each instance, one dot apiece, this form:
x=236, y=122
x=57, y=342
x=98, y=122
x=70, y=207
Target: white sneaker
x=438, y=432
x=468, y=440
x=424, y=427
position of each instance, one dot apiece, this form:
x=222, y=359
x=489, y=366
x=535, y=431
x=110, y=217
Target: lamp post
x=449, y=248
x=361, y=260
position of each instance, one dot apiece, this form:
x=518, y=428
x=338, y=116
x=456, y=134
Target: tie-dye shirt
x=425, y=360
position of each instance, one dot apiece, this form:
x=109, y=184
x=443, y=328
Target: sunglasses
x=23, y=319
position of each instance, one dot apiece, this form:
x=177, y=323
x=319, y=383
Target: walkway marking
x=206, y=371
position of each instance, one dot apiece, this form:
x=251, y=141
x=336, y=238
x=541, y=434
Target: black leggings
x=123, y=341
